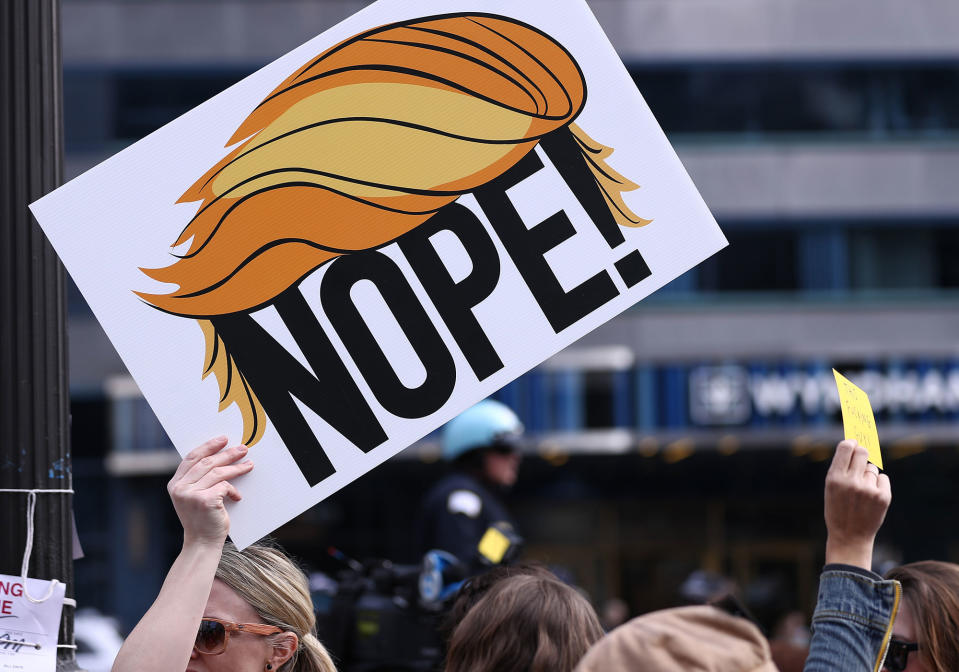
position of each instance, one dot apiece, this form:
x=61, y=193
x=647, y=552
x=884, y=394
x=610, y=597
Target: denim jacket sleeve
x=852, y=624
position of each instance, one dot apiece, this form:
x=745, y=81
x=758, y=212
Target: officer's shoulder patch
x=466, y=502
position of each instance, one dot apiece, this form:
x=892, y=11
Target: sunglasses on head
x=214, y=634
x=897, y=655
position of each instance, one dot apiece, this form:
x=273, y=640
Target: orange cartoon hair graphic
x=359, y=146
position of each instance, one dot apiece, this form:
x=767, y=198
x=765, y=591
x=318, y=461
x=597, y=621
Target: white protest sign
x=375, y=231
x=29, y=631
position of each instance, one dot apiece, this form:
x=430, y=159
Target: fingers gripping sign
x=858, y=420
x=201, y=485
x=856, y=500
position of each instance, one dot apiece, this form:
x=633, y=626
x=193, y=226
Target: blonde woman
x=219, y=608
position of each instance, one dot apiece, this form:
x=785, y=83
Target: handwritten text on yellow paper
x=857, y=417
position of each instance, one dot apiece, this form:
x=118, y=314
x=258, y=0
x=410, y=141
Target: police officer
x=482, y=446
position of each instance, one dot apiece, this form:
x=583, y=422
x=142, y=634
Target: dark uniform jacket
x=456, y=513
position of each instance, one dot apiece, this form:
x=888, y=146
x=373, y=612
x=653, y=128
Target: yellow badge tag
x=857, y=417
x=493, y=545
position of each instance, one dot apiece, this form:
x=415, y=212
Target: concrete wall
x=826, y=180
x=255, y=31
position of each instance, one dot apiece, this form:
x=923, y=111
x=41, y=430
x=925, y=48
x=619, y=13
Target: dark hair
x=524, y=623
x=931, y=589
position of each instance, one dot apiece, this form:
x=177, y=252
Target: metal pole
x=34, y=394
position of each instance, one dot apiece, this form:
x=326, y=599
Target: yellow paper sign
x=857, y=417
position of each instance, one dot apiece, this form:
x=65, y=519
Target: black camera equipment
x=377, y=616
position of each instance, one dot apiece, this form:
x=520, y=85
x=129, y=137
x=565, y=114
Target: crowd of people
x=246, y=611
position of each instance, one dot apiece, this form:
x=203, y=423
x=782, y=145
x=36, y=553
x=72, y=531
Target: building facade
x=692, y=431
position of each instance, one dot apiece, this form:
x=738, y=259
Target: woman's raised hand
x=199, y=488
x=857, y=498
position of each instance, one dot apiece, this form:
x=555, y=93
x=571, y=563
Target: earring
x=269, y=667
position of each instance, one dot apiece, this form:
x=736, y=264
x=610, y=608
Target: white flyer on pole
x=387, y=224
x=29, y=631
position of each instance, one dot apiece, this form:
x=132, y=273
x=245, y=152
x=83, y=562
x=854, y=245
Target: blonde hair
x=278, y=591
x=525, y=623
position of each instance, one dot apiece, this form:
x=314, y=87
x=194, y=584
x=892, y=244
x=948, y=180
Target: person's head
x=475, y=589
x=483, y=440
x=928, y=616
x=614, y=613
x=676, y=640
x=524, y=623
x=262, y=586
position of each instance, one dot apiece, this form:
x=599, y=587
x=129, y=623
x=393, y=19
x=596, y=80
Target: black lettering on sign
x=455, y=300
x=567, y=155
x=527, y=246
x=363, y=347
x=276, y=377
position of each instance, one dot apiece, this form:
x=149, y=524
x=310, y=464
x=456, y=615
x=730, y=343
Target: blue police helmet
x=485, y=424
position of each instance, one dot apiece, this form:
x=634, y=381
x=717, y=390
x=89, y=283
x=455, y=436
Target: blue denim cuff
x=839, y=567
x=853, y=596
x=853, y=621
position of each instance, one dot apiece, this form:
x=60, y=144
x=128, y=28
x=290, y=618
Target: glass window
x=599, y=399
x=904, y=258
x=135, y=427
x=947, y=257
x=88, y=109
x=754, y=261
x=147, y=101
x=875, y=99
x=930, y=99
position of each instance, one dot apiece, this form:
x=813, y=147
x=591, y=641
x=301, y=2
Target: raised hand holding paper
x=29, y=631
x=858, y=420
x=413, y=209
